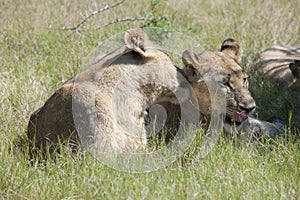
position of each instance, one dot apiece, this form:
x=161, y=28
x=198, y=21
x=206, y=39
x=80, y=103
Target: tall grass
x=36, y=57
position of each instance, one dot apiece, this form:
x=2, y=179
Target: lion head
x=222, y=70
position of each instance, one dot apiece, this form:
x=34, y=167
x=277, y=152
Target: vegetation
x=39, y=51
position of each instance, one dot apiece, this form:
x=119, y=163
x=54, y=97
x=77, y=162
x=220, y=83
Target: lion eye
x=246, y=82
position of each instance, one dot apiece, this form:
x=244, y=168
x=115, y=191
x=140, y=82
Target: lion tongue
x=240, y=116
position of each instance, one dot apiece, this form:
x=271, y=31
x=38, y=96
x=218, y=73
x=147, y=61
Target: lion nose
x=249, y=108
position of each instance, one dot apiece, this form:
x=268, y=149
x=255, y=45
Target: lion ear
x=138, y=41
x=190, y=58
x=135, y=38
x=191, y=64
x=232, y=48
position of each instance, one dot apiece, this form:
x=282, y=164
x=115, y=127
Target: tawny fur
x=92, y=92
x=91, y=102
x=224, y=68
x=232, y=48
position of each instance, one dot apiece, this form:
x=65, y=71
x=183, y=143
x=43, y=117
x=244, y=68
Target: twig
x=87, y=17
x=129, y=19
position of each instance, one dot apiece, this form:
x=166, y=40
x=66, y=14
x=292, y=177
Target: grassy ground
x=36, y=57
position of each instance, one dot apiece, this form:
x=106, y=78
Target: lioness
x=224, y=69
x=105, y=104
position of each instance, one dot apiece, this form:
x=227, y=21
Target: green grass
x=227, y=172
x=36, y=58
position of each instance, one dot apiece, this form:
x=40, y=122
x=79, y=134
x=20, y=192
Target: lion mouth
x=238, y=117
